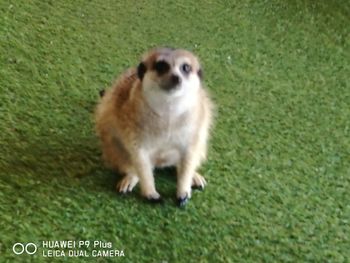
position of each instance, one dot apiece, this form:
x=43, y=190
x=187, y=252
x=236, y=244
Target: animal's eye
x=186, y=68
x=161, y=67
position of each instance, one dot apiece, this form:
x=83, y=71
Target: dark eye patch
x=186, y=68
x=161, y=67
x=141, y=70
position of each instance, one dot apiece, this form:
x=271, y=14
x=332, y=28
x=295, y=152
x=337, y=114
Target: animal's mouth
x=170, y=87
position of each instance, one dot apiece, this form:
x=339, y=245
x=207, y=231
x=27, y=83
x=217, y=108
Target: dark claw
x=198, y=187
x=182, y=201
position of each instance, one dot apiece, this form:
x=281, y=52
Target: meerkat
x=157, y=114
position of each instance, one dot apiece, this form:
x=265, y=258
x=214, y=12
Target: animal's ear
x=200, y=73
x=102, y=92
x=141, y=70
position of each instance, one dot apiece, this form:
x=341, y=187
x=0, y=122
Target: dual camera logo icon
x=20, y=248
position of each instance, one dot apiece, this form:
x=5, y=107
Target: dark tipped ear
x=200, y=73
x=102, y=92
x=141, y=70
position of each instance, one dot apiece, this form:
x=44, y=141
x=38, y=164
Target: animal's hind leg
x=198, y=181
x=128, y=182
x=118, y=159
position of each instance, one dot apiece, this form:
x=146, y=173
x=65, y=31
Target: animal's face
x=170, y=73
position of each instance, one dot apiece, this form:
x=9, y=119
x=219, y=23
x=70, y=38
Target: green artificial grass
x=279, y=158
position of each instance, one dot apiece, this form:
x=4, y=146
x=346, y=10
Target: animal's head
x=170, y=72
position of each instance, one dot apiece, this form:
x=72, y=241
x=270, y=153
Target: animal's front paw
x=127, y=183
x=183, y=197
x=153, y=197
x=198, y=182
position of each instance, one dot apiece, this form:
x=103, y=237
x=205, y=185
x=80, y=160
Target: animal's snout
x=175, y=79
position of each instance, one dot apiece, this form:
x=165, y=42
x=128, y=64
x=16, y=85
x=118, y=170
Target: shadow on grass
x=72, y=164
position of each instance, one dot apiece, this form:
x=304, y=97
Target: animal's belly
x=165, y=157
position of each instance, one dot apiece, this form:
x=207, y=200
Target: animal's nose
x=175, y=79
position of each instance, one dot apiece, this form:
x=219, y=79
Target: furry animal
x=157, y=114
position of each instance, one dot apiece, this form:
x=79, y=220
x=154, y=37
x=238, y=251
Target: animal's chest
x=166, y=147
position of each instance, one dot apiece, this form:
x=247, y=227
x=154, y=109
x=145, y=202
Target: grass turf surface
x=278, y=167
